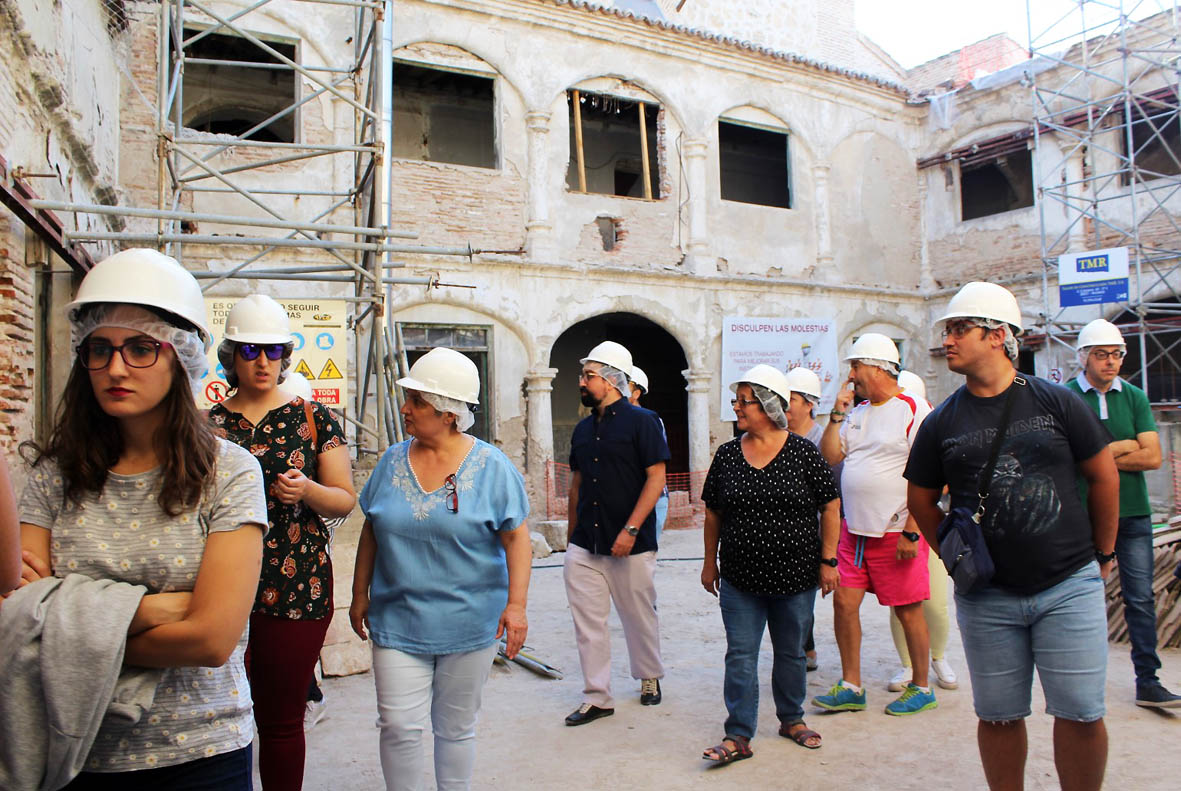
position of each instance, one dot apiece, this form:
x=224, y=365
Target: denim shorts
x=1062, y=631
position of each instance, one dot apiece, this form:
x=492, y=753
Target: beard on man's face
x=586, y=397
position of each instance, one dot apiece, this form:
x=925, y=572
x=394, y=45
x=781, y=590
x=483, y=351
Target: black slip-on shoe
x=587, y=713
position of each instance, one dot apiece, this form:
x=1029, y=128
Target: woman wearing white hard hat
x=309, y=478
x=442, y=573
x=133, y=489
x=934, y=608
x=762, y=494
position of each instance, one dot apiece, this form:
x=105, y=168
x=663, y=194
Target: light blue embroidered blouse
x=440, y=580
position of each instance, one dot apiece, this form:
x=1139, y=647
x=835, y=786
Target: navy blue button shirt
x=613, y=453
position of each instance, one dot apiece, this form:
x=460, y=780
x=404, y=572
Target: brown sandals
x=801, y=735
x=722, y=755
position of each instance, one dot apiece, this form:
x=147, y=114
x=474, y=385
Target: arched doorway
x=652, y=348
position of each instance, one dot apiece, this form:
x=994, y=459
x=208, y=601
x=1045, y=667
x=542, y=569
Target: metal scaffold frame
x=295, y=217
x=1111, y=96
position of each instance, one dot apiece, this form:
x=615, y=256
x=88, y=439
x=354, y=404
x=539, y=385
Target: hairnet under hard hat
x=614, y=377
x=1007, y=331
x=464, y=419
x=187, y=344
x=886, y=365
x=771, y=402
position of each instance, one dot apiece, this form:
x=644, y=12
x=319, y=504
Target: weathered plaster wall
x=59, y=121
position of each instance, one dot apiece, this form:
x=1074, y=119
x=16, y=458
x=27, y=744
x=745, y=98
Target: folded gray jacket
x=61, y=657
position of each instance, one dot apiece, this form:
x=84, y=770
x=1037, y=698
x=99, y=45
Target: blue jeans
x=1061, y=630
x=745, y=616
x=225, y=772
x=1134, y=560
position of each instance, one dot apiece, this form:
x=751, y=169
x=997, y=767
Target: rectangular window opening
x=996, y=185
x=1156, y=139
x=609, y=154
x=754, y=164
x=231, y=87
x=474, y=342
x=444, y=116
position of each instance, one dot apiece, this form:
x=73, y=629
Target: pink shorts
x=871, y=563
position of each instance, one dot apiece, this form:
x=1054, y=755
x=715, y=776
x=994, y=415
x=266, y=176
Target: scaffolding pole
x=310, y=220
x=1108, y=170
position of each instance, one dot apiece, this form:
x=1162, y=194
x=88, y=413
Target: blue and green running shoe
x=912, y=700
x=841, y=698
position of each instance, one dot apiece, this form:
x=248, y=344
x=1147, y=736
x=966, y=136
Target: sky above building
x=916, y=31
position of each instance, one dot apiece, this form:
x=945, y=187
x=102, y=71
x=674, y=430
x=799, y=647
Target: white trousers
x=446, y=688
x=593, y=582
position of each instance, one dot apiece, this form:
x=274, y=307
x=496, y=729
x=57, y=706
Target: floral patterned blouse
x=296, y=579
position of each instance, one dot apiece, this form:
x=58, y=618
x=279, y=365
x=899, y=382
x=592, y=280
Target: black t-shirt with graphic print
x=1035, y=524
x=769, y=541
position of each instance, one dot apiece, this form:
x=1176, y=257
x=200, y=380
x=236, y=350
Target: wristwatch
x=1104, y=558
x=632, y=530
x=912, y=537
x=829, y=562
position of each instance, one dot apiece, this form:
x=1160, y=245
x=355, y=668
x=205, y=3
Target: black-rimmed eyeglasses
x=452, y=494
x=743, y=401
x=250, y=351
x=1103, y=354
x=138, y=353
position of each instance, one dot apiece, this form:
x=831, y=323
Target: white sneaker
x=899, y=680
x=944, y=675
x=315, y=711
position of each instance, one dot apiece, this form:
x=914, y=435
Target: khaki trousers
x=593, y=582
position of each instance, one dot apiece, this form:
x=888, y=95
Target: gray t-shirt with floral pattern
x=122, y=534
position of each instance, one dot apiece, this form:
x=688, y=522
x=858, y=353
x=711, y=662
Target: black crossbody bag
x=961, y=539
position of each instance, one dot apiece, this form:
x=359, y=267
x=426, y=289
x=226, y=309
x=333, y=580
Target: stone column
x=538, y=228
x=823, y=227
x=697, y=258
x=699, y=388
x=540, y=423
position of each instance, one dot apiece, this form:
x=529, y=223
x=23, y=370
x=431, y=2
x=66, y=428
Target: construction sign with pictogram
x=320, y=348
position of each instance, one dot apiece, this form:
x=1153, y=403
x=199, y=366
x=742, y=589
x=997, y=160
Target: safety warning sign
x=330, y=371
x=320, y=347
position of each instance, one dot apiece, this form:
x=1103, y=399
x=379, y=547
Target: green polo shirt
x=1128, y=414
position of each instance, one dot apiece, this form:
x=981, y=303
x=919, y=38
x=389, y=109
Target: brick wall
x=983, y=255
x=450, y=204
x=17, y=349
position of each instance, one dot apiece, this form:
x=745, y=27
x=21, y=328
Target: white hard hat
x=639, y=377
x=769, y=377
x=1100, y=332
x=874, y=346
x=979, y=300
x=297, y=384
x=611, y=353
x=140, y=276
x=911, y=383
x=805, y=382
x=444, y=372
x=258, y=319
